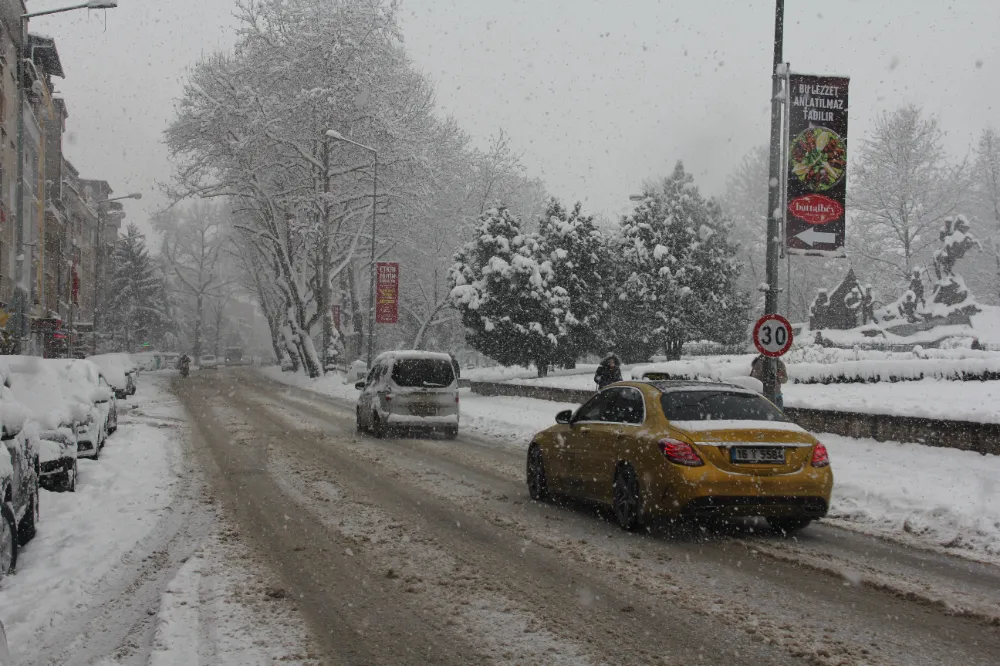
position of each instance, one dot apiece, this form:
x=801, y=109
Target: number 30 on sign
x=772, y=335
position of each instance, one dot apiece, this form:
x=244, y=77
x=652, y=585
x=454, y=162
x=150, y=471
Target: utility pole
x=771, y=387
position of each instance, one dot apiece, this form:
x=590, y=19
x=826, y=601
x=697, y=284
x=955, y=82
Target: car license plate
x=421, y=409
x=774, y=455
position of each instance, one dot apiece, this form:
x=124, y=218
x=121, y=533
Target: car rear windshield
x=718, y=405
x=425, y=372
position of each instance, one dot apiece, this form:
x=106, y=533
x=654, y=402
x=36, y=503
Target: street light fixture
x=337, y=136
x=99, y=249
x=637, y=197
x=20, y=297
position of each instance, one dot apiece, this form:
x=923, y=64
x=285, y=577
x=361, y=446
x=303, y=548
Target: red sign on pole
x=386, y=292
x=335, y=311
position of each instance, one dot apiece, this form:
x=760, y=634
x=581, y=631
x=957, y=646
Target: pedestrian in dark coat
x=608, y=372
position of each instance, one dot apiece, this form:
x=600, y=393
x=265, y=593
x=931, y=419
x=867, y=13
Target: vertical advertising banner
x=386, y=292
x=817, y=165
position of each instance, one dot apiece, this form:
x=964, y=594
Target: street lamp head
x=334, y=134
x=637, y=197
x=134, y=195
x=102, y=4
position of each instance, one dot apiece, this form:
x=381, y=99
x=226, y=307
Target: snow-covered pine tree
x=134, y=306
x=677, y=280
x=575, y=247
x=505, y=295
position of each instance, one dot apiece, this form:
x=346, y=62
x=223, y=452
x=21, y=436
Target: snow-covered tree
x=902, y=187
x=505, y=294
x=193, y=254
x=582, y=271
x=986, y=204
x=134, y=307
x=677, y=280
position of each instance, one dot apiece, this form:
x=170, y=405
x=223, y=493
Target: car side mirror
x=360, y=385
x=565, y=416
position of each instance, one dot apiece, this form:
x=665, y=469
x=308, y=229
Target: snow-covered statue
x=907, y=308
x=950, y=294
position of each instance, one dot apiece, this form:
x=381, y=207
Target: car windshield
x=718, y=406
x=426, y=372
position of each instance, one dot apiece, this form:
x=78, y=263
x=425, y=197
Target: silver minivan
x=407, y=390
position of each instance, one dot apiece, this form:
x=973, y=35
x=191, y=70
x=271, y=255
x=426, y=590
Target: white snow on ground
x=942, y=497
x=932, y=496
x=82, y=535
x=250, y=623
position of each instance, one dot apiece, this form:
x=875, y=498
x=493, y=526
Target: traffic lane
x=876, y=621
x=577, y=603
x=356, y=617
x=959, y=584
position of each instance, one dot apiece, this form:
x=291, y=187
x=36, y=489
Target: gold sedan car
x=678, y=449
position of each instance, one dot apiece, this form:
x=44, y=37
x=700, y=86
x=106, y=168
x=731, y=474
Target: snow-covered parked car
x=208, y=362
x=120, y=371
x=18, y=480
x=84, y=382
x=53, y=412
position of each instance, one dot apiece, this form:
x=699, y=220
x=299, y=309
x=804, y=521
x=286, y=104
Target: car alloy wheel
x=626, y=501
x=538, y=485
x=8, y=541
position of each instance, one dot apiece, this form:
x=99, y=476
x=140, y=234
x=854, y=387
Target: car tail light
x=680, y=453
x=456, y=398
x=820, y=457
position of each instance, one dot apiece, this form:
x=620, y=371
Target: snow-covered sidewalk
x=83, y=536
x=941, y=498
x=106, y=561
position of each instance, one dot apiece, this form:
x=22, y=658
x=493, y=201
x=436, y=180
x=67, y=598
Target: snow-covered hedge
x=836, y=366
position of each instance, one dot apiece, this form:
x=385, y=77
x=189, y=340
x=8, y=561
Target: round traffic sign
x=772, y=335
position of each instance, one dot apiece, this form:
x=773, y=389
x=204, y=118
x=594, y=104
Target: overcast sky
x=597, y=95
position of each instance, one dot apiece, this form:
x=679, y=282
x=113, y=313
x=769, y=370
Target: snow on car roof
x=414, y=353
x=674, y=385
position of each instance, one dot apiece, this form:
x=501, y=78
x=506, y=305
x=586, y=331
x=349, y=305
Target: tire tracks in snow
x=876, y=635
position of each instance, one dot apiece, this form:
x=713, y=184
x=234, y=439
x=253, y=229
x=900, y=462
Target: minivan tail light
x=820, y=456
x=456, y=398
x=680, y=453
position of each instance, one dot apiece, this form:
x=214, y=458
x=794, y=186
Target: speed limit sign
x=772, y=335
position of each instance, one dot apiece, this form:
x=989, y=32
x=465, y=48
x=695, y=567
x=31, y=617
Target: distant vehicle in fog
x=209, y=362
x=234, y=356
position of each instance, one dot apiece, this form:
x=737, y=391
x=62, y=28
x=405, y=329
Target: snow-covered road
x=97, y=583
x=438, y=541
x=939, y=498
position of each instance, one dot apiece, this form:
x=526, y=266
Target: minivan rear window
x=423, y=372
x=718, y=405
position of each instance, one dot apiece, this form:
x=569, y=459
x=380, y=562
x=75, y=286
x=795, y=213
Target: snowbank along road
x=429, y=551
x=137, y=567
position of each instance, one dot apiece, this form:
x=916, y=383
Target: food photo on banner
x=817, y=165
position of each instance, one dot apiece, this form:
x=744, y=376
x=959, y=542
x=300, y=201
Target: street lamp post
x=20, y=295
x=98, y=263
x=337, y=136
